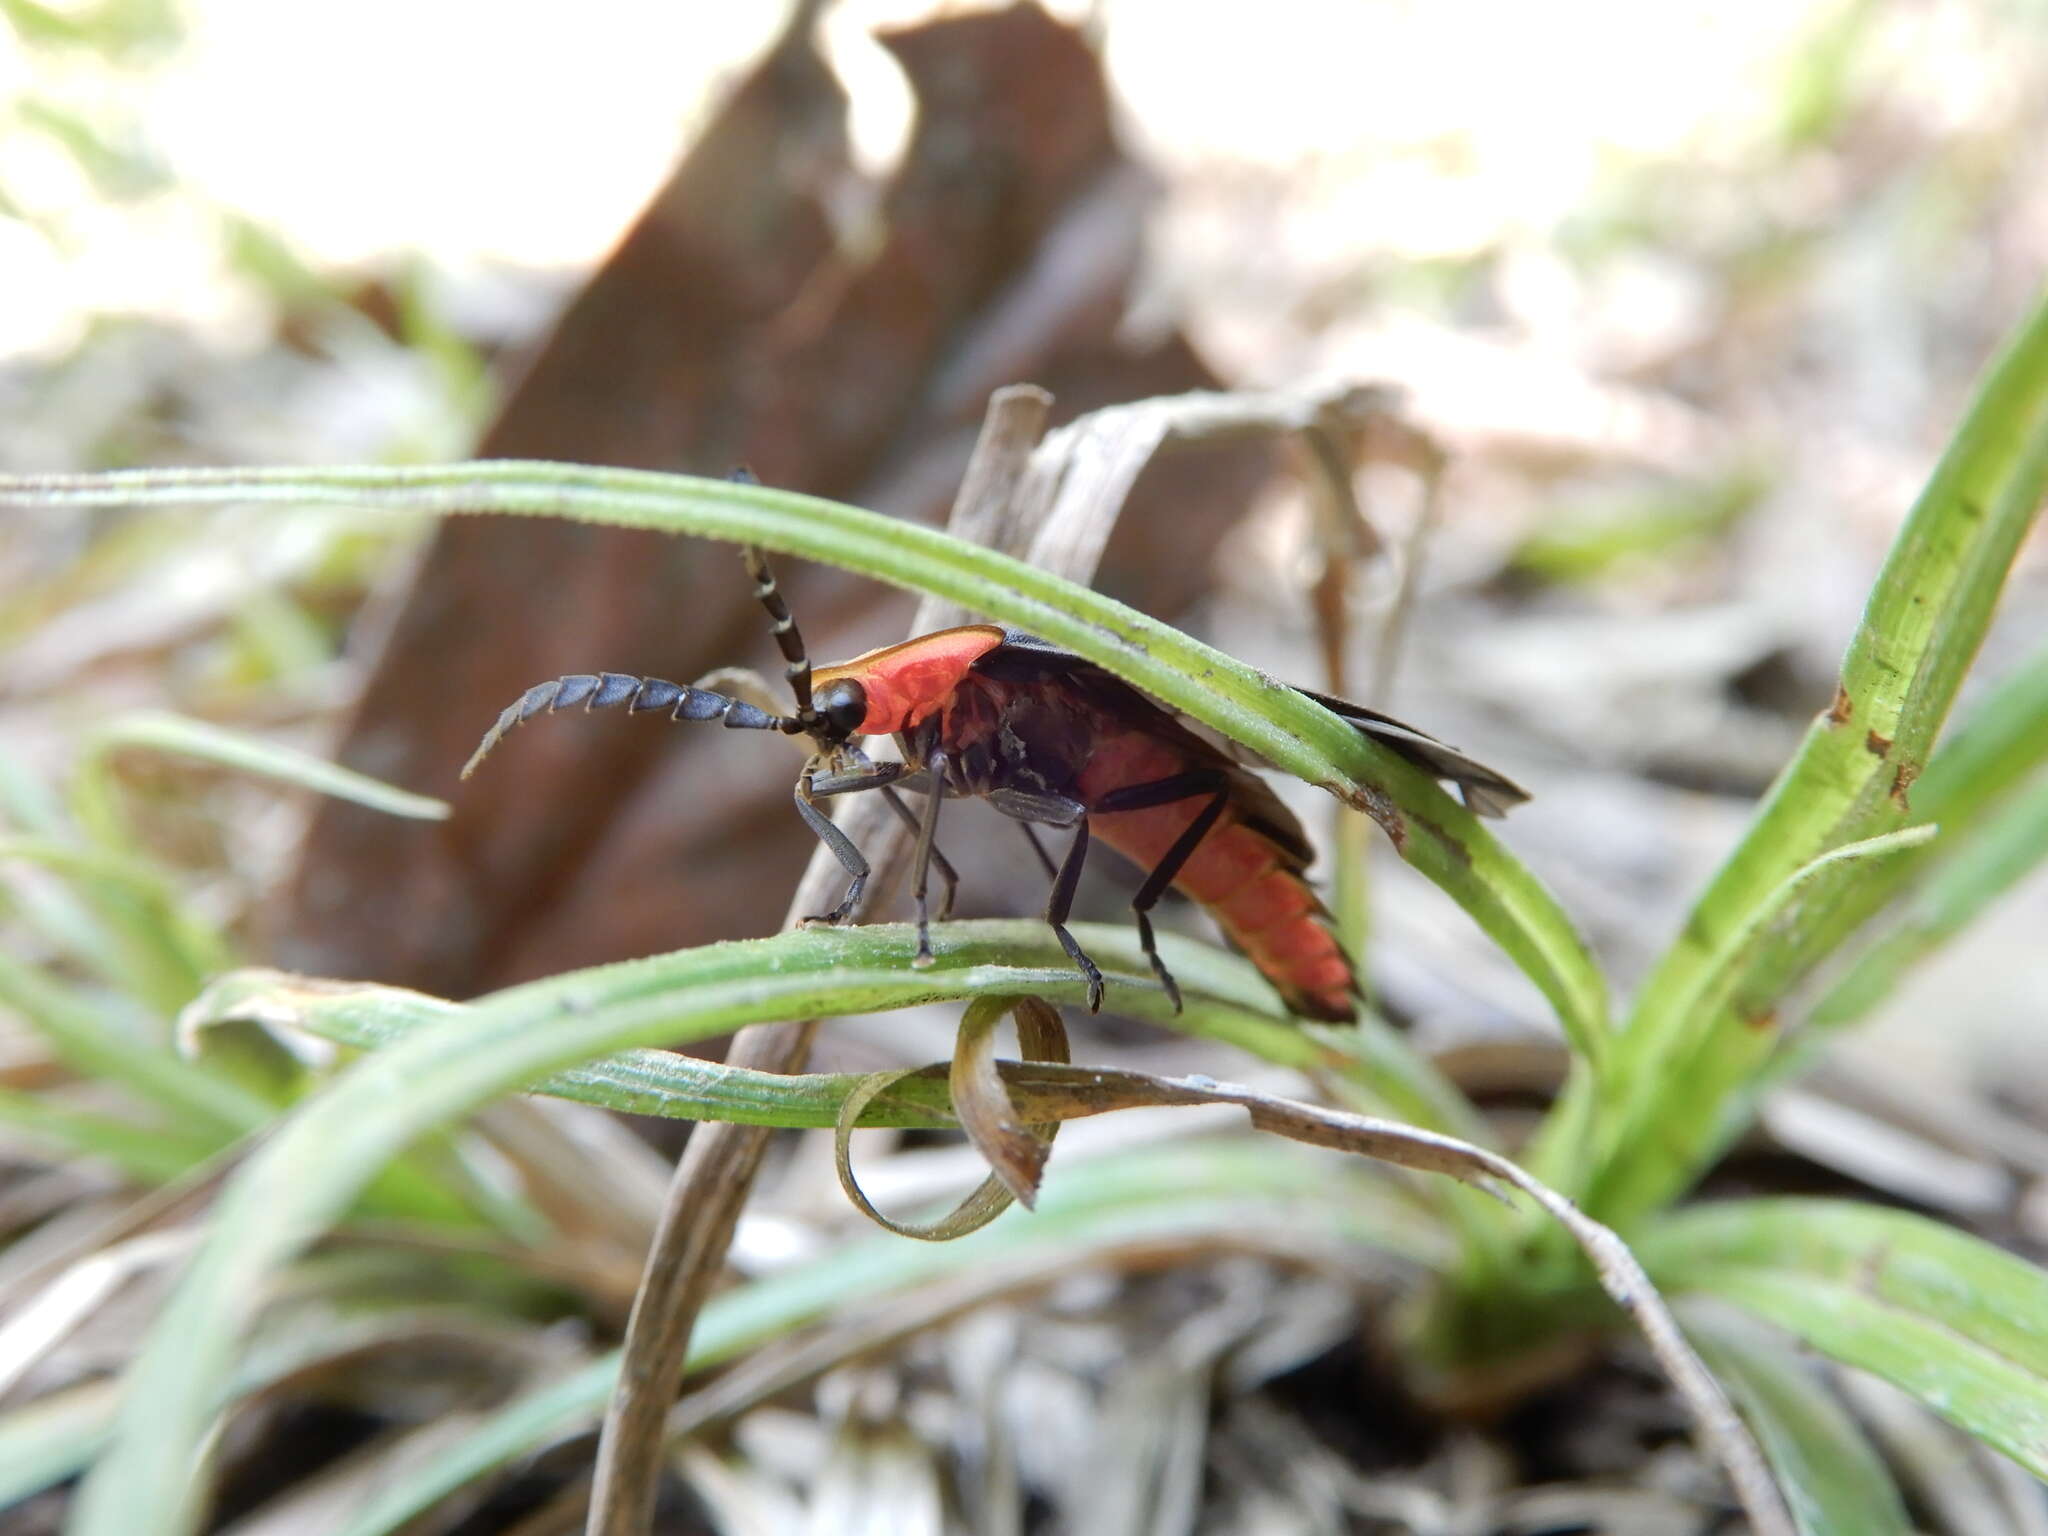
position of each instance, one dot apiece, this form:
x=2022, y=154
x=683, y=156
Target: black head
x=841, y=706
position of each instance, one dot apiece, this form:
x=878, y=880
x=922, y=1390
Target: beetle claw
x=1166, y=980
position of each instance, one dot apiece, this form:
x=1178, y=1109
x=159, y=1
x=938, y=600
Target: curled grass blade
x=1369, y=1067
x=1226, y=1000
x=319, y=1159
x=1116, y=1204
x=322, y=1157
x=1429, y=827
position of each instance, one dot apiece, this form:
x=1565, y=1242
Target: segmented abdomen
x=1253, y=887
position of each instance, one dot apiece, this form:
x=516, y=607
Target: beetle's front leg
x=886, y=777
x=849, y=775
x=849, y=857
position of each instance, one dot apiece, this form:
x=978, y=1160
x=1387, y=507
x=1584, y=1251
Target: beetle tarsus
x=1151, y=947
x=1062, y=902
x=1090, y=972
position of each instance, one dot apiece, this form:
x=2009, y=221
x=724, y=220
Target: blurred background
x=1688, y=295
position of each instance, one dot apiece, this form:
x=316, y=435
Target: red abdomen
x=1252, y=886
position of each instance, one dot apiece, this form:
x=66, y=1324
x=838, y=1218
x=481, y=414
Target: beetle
x=1050, y=740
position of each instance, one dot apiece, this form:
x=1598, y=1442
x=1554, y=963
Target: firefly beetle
x=1050, y=740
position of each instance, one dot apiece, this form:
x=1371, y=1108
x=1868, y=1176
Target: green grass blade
x=56, y=1437
x=2007, y=847
x=1849, y=782
x=1949, y=1319
x=79, y=1033
x=127, y=923
x=52, y=1438
x=320, y=1158
x=1431, y=829
x=1834, y=1482
x=1181, y=1191
x=184, y=737
x=1964, y=1284
x=1699, y=1100
x=2001, y=745
x=146, y=1153
x=1982, y=1393
x=1226, y=1000
x=1368, y=1066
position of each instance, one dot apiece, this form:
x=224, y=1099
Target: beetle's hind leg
x=1052, y=870
x=1168, y=791
x=1062, y=903
x=1059, y=811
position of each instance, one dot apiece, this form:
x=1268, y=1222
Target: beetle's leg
x=861, y=776
x=1026, y=808
x=884, y=776
x=1058, y=811
x=813, y=786
x=949, y=877
x=1139, y=797
x=843, y=850
x=921, y=858
x=1052, y=870
x=1062, y=902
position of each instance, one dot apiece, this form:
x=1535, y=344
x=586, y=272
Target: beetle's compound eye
x=844, y=704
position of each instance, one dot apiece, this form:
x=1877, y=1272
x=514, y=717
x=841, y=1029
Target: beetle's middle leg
x=949, y=877
x=928, y=850
x=1059, y=811
x=1167, y=791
